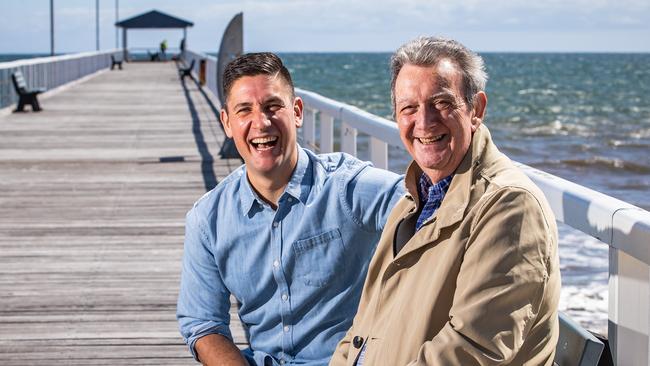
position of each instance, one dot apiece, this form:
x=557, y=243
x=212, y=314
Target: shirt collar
x=300, y=182
x=428, y=190
x=298, y=186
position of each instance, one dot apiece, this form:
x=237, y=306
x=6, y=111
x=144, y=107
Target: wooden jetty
x=93, y=196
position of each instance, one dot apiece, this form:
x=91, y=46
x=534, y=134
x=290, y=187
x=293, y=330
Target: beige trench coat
x=478, y=284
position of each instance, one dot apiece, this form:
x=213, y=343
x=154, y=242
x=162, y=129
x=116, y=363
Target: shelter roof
x=154, y=19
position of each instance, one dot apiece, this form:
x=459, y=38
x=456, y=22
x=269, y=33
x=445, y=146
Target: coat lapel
x=454, y=205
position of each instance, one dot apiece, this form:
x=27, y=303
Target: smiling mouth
x=432, y=140
x=264, y=143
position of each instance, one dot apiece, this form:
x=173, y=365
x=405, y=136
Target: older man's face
x=435, y=122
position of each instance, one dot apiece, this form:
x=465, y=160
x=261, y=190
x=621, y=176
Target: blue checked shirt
x=297, y=271
x=431, y=196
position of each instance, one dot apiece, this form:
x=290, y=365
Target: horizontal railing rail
x=624, y=227
x=51, y=72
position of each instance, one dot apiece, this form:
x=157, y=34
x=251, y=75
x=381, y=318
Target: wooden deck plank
x=93, y=196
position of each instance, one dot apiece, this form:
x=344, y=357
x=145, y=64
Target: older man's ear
x=479, y=106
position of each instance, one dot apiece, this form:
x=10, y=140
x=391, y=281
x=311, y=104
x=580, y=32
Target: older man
x=466, y=271
x=289, y=234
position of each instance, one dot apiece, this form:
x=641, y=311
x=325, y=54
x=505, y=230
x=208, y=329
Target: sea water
x=583, y=117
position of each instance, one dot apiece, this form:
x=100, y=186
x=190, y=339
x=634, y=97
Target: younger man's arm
x=371, y=196
x=203, y=309
x=217, y=350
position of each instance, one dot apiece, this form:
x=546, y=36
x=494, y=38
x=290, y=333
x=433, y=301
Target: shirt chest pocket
x=318, y=258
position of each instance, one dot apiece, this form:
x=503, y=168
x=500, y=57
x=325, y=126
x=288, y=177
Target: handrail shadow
x=207, y=169
x=228, y=149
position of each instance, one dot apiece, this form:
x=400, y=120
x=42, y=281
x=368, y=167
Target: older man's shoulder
x=504, y=175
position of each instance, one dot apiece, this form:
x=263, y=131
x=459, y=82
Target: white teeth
x=264, y=140
x=431, y=140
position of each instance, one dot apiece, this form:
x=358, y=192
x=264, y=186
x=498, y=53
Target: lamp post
x=52, y=27
x=117, y=18
x=97, y=24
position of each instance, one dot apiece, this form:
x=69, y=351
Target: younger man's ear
x=225, y=123
x=298, y=110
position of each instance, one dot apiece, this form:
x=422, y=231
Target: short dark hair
x=252, y=64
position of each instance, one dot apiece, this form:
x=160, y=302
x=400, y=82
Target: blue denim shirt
x=297, y=271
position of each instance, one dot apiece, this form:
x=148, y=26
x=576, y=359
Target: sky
x=338, y=25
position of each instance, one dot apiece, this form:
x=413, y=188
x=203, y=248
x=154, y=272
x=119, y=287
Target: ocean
x=6, y=57
x=583, y=117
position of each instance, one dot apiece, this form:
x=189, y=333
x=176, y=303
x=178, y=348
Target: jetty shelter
x=153, y=19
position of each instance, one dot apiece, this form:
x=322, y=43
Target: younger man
x=289, y=234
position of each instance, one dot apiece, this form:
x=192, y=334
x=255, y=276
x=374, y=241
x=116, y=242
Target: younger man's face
x=262, y=116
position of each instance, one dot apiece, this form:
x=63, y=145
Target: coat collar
x=460, y=193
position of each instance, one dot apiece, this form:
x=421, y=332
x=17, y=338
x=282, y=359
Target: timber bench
x=25, y=95
x=115, y=62
x=153, y=56
x=578, y=347
x=186, y=71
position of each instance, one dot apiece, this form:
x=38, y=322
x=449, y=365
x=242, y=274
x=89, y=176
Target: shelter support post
x=184, y=42
x=125, y=49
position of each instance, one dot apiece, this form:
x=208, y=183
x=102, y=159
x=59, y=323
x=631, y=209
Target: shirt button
x=290, y=199
x=276, y=263
x=286, y=328
x=275, y=224
x=285, y=297
x=281, y=362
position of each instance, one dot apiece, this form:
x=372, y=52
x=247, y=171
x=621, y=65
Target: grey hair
x=428, y=51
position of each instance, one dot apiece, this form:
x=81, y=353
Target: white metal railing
x=210, y=71
x=624, y=227
x=51, y=72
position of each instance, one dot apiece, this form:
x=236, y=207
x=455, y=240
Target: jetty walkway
x=93, y=196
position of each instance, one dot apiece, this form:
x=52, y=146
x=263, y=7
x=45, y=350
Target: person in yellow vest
x=163, y=48
x=466, y=271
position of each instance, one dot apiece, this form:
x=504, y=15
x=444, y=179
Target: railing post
x=309, y=128
x=629, y=301
x=348, y=139
x=326, y=133
x=379, y=153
